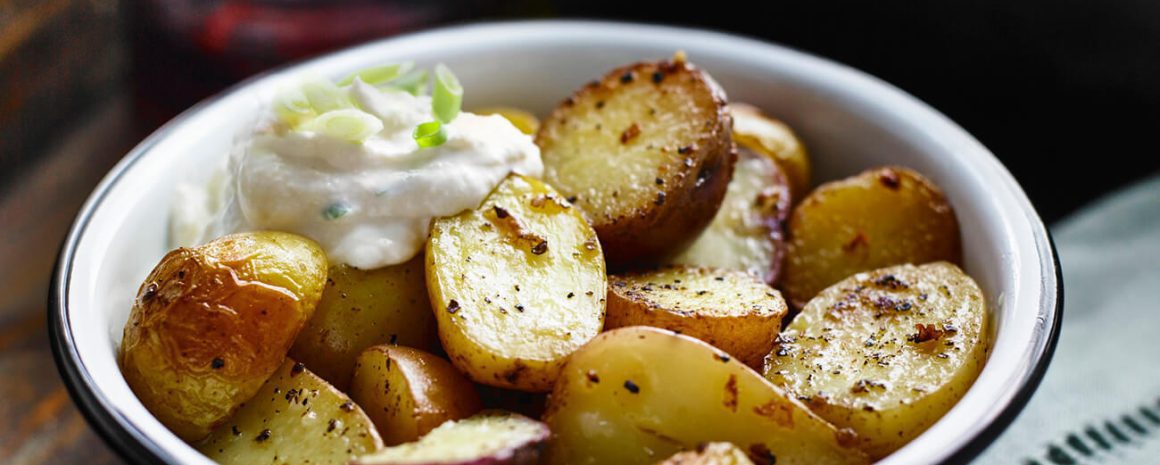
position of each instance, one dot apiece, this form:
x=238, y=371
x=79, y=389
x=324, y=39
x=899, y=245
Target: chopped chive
x=414, y=82
x=430, y=134
x=378, y=74
x=335, y=210
x=349, y=124
x=293, y=108
x=324, y=96
x=448, y=95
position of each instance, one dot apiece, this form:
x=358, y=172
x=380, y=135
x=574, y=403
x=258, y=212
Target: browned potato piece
x=716, y=453
x=887, y=352
x=211, y=323
x=362, y=308
x=772, y=138
x=748, y=232
x=729, y=309
x=526, y=122
x=294, y=418
x=409, y=392
x=881, y=217
x=516, y=284
x=633, y=395
x=646, y=153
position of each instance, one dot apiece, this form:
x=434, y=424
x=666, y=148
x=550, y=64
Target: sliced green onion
x=324, y=96
x=414, y=82
x=293, y=108
x=430, y=134
x=347, y=124
x=378, y=74
x=335, y=210
x=448, y=95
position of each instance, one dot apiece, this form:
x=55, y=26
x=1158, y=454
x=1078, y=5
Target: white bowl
x=849, y=120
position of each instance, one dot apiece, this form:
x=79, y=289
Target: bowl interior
x=848, y=120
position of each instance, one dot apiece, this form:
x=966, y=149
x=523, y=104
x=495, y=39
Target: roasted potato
x=408, y=392
x=748, y=232
x=210, y=324
x=526, y=122
x=296, y=417
x=729, y=309
x=516, y=284
x=362, y=308
x=886, y=352
x=490, y=438
x=716, y=453
x=636, y=395
x=772, y=138
x=881, y=217
x=647, y=154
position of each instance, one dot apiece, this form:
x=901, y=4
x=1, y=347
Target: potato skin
x=729, y=309
x=772, y=138
x=361, y=308
x=881, y=217
x=646, y=152
x=408, y=392
x=211, y=323
x=886, y=352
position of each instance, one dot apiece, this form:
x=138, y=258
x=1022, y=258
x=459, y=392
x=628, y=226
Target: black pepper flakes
x=685, y=150
x=657, y=77
x=234, y=429
x=452, y=306
x=297, y=369
x=263, y=436
x=631, y=386
x=347, y=406
x=627, y=77
x=520, y=308
x=571, y=199
x=331, y=425
x=761, y=455
x=660, y=199
x=500, y=212
x=217, y=363
x=150, y=292
x=593, y=377
x=660, y=182
x=540, y=247
x=599, y=104
x=723, y=357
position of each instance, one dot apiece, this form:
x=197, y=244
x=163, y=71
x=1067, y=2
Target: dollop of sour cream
x=370, y=203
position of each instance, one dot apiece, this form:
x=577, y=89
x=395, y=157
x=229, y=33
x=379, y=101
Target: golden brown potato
x=526, y=122
x=646, y=153
x=409, y=392
x=716, y=453
x=294, y=418
x=748, y=232
x=633, y=395
x=886, y=352
x=211, y=323
x=516, y=284
x=772, y=138
x=729, y=309
x=362, y=308
x=489, y=438
x=881, y=217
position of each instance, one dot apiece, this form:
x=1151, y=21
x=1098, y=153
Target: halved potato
x=408, y=392
x=748, y=232
x=887, y=352
x=490, y=438
x=881, y=217
x=516, y=284
x=646, y=153
x=362, y=308
x=772, y=138
x=729, y=309
x=636, y=395
x=526, y=122
x=713, y=453
x=295, y=418
x=211, y=323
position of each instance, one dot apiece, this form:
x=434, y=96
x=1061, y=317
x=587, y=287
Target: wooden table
x=42, y=423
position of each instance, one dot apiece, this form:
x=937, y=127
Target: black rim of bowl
x=133, y=445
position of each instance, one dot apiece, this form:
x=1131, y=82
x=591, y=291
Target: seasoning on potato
x=296, y=417
x=636, y=394
x=729, y=309
x=881, y=217
x=886, y=352
x=516, y=285
x=210, y=324
x=489, y=438
x=646, y=152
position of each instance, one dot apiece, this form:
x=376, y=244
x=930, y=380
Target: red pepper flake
x=925, y=333
x=297, y=369
x=630, y=133
x=761, y=455
x=593, y=377
x=263, y=436
x=452, y=306
x=631, y=386
x=731, y=393
x=217, y=363
x=859, y=241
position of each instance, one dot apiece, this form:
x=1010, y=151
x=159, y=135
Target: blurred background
x=1054, y=88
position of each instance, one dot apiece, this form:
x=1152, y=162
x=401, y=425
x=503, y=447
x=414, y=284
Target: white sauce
x=389, y=187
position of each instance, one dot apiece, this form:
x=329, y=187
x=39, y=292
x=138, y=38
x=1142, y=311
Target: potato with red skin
x=210, y=324
x=490, y=438
x=408, y=392
x=775, y=140
x=646, y=152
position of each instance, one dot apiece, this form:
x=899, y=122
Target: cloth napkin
x=1100, y=399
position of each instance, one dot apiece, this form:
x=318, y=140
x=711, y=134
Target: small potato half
x=729, y=309
x=886, y=352
x=361, y=308
x=881, y=217
x=646, y=152
x=516, y=285
x=770, y=137
x=408, y=392
x=210, y=324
